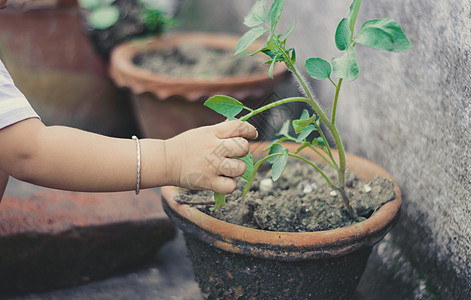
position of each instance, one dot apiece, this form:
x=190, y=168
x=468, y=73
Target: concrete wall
x=410, y=113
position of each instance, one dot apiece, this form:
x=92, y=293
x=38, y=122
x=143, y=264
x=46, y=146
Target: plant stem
x=317, y=169
x=346, y=201
x=330, y=125
x=273, y=104
x=336, y=98
x=332, y=163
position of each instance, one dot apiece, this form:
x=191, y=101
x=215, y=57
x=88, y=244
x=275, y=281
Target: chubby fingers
x=224, y=185
x=234, y=147
x=235, y=128
x=232, y=167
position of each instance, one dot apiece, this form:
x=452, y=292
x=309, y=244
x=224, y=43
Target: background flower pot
x=51, y=60
x=166, y=106
x=232, y=261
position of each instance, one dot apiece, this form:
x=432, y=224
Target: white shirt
x=14, y=107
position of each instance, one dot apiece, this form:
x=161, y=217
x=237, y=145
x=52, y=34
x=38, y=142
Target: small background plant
x=382, y=34
x=104, y=14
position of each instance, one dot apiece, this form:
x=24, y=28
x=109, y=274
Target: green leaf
x=249, y=171
x=293, y=55
x=274, y=149
x=269, y=53
x=272, y=66
x=352, y=17
x=248, y=38
x=279, y=140
x=305, y=133
x=304, y=114
x=299, y=125
x=271, y=45
x=284, y=131
x=275, y=13
x=343, y=35
x=319, y=141
x=257, y=15
x=287, y=34
x=220, y=201
x=303, y=121
x=225, y=105
x=346, y=66
x=279, y=165
x=89, y=4
x=383, y=34
x=104, y=17
x=259, y=50
x=318, y=68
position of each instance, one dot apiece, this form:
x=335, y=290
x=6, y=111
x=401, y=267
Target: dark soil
x=300, y=201
x=197, y=61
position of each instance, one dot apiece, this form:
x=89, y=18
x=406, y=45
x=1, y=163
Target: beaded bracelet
x=138, y=147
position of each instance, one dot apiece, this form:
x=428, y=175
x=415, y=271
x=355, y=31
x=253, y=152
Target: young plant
x=104, y=14
x=383, y=34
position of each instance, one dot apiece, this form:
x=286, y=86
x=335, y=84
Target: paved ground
x=169, y=276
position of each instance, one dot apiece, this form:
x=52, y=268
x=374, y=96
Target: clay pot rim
x=321, y=243
x=125, y=73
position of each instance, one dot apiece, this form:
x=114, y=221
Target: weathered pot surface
x=126, y=74
x=311, y=264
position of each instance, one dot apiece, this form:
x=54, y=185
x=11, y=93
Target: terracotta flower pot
x=166, y=106
x=232, y=261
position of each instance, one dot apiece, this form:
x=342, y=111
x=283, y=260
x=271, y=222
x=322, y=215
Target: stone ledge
x=51, y=239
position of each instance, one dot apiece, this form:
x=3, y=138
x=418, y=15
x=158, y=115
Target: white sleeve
x=14, y=107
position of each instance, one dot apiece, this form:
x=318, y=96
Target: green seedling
x=104, y=14
x=383, y=34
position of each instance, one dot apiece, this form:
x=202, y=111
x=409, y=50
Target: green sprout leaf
x=305, y=133
x=289, y=31
x=219, y=200
x=279, y=164
x=343, y=35
x=271, y=45
x=319, y=141
x=293, y=55
x=225, y=105
x=257, y=15
x=284, y=131
x=274, y=149
x=272, y=65
x=275, y=13
x=248, y=38
x=346, y=66
x=104, y=17
x=383, y=34
x=249, y=171
x=302, y=122
x=318, y=68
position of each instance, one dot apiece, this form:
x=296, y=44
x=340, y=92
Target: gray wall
x=410, y=113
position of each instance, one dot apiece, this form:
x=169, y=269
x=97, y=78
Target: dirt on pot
x=197, y=61
x=300, y=201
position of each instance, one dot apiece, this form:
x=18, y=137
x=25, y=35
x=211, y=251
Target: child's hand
x=204, y=158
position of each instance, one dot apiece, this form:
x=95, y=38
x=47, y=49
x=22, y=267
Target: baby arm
x=71, y=159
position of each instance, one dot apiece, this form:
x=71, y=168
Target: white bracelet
x=138, y=146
